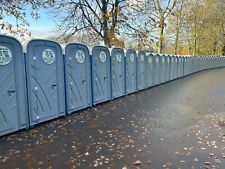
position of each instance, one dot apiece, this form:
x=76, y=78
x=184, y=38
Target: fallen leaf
x=207, y=163
x=137, y=162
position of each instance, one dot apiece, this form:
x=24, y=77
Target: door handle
x=83, y=81
x=11, y=91
x=54, y=85
x=105, y=77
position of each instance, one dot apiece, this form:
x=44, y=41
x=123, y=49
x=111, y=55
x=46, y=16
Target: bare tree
x=106, y=19
x=177, y=24
x=163, y=9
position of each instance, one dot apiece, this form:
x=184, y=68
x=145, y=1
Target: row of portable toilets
x=45, y=82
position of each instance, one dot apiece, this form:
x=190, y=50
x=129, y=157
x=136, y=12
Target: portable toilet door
x=167, y=68
x=77, y=77
x=156, y=70
x=182, y=66
x=141, y=70
x=176, y=67
x=13, y=101
x=101, y=81
x=45, y=79
x=187, y=66
x=162, y=69
x=179, y=66
x=172, y=67
x=191, y=65
x=149, y=71
x=130, y=64
x=117, y=72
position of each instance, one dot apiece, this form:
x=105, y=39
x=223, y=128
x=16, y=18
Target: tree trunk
x=195, y=37
x=106, y=38
x=214, y=48
x=177, y=38
x=223, y=52
x=176, y=44
x=160, y=45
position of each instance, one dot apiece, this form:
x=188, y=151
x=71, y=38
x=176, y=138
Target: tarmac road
x=175, y=125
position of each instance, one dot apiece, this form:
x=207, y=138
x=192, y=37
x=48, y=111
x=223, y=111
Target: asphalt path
x=180, y=124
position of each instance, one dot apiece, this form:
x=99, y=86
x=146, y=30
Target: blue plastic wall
x=42, y=84
x=45, y=80
x=101, y=76
x=149, y=71
x=117, y=72
x=77, y=77
x=141, y=57
x=156, y=69
x=131, y=71
x=13, y=100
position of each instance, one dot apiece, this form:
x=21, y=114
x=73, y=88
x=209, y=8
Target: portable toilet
x=162, y=69
x=77, y=77
x=187, y=65
x=176, y=67
x=117, y=72
x=191, y=65
x=179, y=66
x=13, y=101
x=156, y=69
x=141, y=70
x=189, y=61
x=45, y=80
x=182, y=66
x=130, y=64
x=167, y=68
x=149, y=70
x=172, y=67
x=101, y=81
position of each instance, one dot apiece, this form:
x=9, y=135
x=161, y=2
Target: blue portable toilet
x=45, y=80
x=13, y=101
x=141, y=70
x=149, y=70
x=172, y=67
x=186, y=65
x=101, y=81
x=182, y=66
x=179, y=66
x=156, y=69
x=162, y=69
x=117, y=72
x=77, y=77
x=131, y=62
x=176, y=66
x=191, y=65
x=167, y=68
